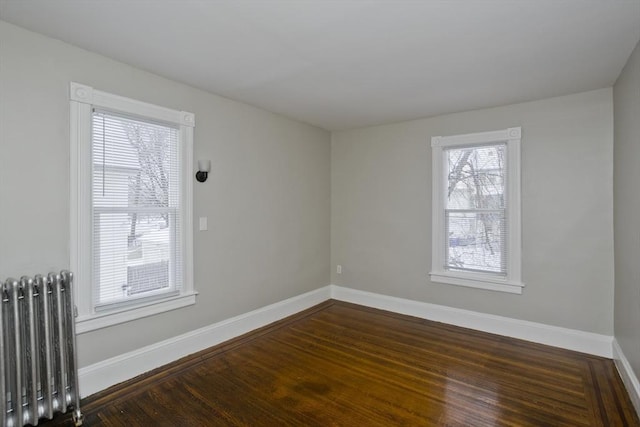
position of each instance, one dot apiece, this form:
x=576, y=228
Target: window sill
x=103, y=320
x=479, y=281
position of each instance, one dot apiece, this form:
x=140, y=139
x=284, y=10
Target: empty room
x=319, y=213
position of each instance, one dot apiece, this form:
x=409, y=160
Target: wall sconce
x=204, y=167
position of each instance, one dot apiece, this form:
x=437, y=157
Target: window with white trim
x=476, y=210
x=131, y=197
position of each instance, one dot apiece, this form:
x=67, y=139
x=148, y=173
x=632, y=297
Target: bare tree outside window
x=150, y=185
x=475, y=208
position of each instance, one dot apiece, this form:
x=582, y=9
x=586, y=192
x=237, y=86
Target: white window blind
x=135, y=198
x=475, y=209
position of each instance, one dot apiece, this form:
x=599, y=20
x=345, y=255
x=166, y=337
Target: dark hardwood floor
x=339, y=364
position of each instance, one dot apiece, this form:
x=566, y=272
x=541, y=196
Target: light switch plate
x=203, y=223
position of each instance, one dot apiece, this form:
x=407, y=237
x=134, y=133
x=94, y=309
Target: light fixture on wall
x=204, y=167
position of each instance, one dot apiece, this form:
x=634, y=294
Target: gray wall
x=276, y=184
x=626, y=196
x=267, y=197
x=381, y=210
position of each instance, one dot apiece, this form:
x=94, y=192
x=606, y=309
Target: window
x=476, y=210
x=131, y=202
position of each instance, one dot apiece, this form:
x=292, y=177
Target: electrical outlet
x=339, y=269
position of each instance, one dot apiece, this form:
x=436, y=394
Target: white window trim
x=512, y=283
x=82, y=99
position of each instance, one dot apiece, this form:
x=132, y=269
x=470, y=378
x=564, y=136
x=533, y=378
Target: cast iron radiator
x=38, y=365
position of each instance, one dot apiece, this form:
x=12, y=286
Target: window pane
x=475, y=241
x=135, y=163
x=475, y=177
x=132, y=254
x=135, y=194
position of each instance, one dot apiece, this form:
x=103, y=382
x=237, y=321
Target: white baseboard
x=104, y=374
x=585, y=342
x=628, y=376
x=107, y=373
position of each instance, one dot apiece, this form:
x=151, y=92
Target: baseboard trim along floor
x=104, y=374
x=570, y=339
x=629, y=378
x=339, y=363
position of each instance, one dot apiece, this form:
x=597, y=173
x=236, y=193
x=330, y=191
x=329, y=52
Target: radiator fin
x=38, y=366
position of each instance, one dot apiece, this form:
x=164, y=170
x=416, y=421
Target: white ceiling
x=352, y=63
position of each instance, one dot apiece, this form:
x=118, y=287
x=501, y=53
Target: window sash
x=84, y=100
x=449, y=264
x=174, y=282
x=121, y=273
x=478, y=157
x=508, y=278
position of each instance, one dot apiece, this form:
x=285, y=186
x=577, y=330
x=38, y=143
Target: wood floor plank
x=339, y=364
